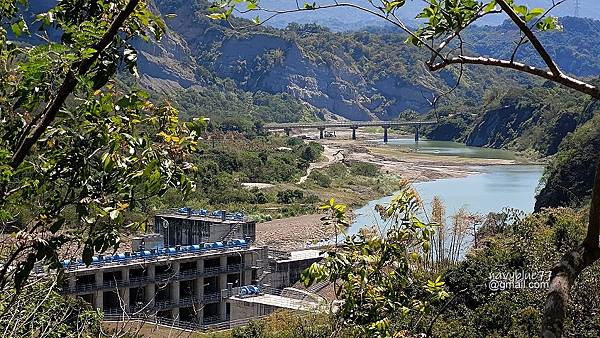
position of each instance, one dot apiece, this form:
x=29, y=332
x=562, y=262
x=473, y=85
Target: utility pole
x=576, y=8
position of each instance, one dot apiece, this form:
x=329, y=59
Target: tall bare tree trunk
x=570, y=266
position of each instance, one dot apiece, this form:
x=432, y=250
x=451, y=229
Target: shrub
x=364, y=169
x=321, y=179
x=290, y=196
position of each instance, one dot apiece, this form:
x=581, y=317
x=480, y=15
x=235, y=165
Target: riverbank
x=394, y=163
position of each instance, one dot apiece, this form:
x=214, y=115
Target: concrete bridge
x=321, y=126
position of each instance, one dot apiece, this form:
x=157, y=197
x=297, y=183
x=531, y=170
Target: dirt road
x=332, y=155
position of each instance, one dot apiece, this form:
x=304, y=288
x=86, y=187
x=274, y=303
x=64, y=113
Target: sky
x=349, y=18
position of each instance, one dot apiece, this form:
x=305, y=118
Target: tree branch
x=563, y=79
x=523, y=36
x=571, y=265
x=562, y=279
x=69, y=84
x=457, y=32
x=532, y=37
x=398, y=23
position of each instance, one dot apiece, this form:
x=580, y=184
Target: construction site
x=197, y=270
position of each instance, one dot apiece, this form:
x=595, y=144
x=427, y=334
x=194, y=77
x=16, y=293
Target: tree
x=440, y=34
x=77, y=152
x=376, y=275
x=42, y=312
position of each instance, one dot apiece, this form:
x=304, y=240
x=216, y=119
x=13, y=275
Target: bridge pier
x=288, y=131
x=354, y=132
x=417, y=130
x=321, y=131
x=385, y=134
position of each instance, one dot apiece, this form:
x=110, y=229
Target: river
x=494, y=188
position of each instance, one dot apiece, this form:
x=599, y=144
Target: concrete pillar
x=417, y=134
x=199, y=283
x=385, y=134
x=321, y=131
x=223, y=309
x=199, y=314
x=199, y=289
x=124, y=294
x=150, y=289
x=99, y=301
x=354, y=133
x=223, y=274
x=175, y=290
x=223, y=286
x=124, y=291
x=223, y=262
x=72, y=282
x=249, y=261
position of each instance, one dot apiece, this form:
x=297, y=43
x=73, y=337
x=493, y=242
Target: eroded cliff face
x=539, y=127
x=499, y=126
x=197, y=51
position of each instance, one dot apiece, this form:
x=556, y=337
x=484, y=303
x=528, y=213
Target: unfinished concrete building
x=190, y=271
x=186, y=283
x=285, y=267
x=186, y=226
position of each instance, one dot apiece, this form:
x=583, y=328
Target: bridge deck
x=349, y=124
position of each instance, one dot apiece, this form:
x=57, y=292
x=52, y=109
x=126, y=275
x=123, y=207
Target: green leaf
x=107, y=162
x=19, y=27
x=310, y=6
x=490, y=7
x=392, y=5
x=537, y=11
x=520, y=9
x=88, y=52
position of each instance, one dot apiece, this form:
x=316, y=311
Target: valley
x=155, y=177
x=425, y=166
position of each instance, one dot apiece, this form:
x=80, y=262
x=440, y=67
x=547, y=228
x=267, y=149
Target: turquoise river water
x=494, y=188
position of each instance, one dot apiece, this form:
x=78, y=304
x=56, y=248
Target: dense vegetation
x=74, y=171
x=574, y=47
x=40, y=311
x=235, y=159
x=569, y=177
x=233, y=109
x=477, y=306
x=529, y=245
x=534, y=119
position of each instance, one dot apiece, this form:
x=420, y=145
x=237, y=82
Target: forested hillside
x=523, y=119
x=575, y=47
x=359, y=76
x=243, y=78
x=355, y=75
x=569, y=177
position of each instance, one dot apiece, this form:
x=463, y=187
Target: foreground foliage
x=569, y=178
x=41, y=312
x=77, y=153
x=376, y=275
